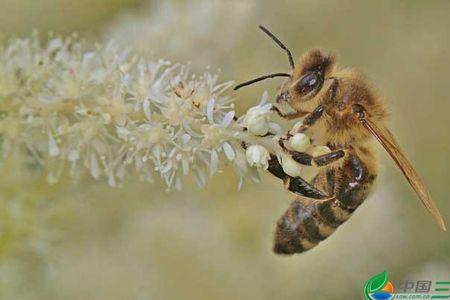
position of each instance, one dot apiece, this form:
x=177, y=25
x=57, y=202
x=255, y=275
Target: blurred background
x=85, y=240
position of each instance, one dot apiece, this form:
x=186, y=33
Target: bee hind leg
x=301, y=227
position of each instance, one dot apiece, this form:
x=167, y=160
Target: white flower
x=257, y=118
x=216, y=134
x=257, y=156
x=299, y=142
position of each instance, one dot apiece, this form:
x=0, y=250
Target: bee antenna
x=260, y=78
x=279, y=43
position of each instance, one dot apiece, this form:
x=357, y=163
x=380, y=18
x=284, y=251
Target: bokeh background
x=85, y=240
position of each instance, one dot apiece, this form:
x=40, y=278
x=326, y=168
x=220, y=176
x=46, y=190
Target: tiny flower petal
x=264, y=98
x=214, y=162
x=227, y=119
x=241, y=182
x=209, y=111
x=146, y=109
x=228, y=150
x=185, y=138
x=73, y=155
x=94, y=167
x=53, y=149
x=265, y=108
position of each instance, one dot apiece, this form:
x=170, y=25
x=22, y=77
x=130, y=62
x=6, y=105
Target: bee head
x=307, y=78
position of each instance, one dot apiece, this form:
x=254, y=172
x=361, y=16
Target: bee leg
x=311, y=118
x=289, y=116
x=328, y=158
x=317, y=161
x=296, y=185
x=309, y=160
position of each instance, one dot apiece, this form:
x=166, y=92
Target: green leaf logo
x=375, y=284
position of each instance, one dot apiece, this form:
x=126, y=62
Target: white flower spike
x=117, y=115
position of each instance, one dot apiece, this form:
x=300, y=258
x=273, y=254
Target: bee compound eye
x=309, y=80
x=308, y=83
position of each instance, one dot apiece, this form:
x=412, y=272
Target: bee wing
x=385, y=137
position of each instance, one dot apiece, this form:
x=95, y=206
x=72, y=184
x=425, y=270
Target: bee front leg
x=296, y=185
x=311, y=118
x=289, y=116
x=309, y=121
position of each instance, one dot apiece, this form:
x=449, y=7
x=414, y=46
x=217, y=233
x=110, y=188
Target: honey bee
x=339, y=109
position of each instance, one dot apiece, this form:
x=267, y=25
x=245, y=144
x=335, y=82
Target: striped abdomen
x=307, y=222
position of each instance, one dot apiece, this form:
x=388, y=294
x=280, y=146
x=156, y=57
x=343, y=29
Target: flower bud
x=257, y=156
x=309, y=172
x=299, y=142
x=319, y=150
x=256, y=119
x=258, y=126
x=290, y=166
x=296, y=127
